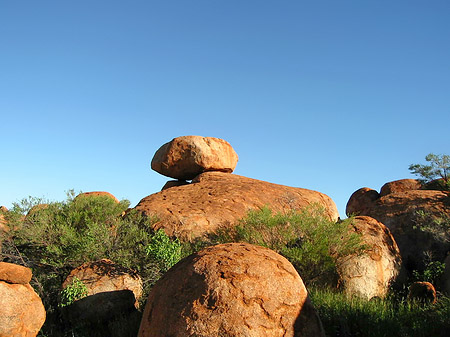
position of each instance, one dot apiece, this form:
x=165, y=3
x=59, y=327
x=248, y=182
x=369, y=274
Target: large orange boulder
x=216, y=199
x=22, y=313
x=413, y=217
x=370, y=274
x=111, y=290
x=360, y=200
x=186, y=157
x=234, y=289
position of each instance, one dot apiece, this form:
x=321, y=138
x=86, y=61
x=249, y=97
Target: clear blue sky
x=326, y=95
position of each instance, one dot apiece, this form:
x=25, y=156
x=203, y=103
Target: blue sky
x=325, y=95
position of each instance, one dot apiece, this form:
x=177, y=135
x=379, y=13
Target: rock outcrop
x=22, y=313
x=370, y=274
x=401, y=185
x=3, y=222
x=216, y=199
x=234, y=289
x=112, y=290
x=411, y=216
x=186, y=157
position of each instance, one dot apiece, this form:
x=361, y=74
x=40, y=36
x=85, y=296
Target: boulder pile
x=412, y=216
x=21, y=310
x=215, y=198
x=234, y=289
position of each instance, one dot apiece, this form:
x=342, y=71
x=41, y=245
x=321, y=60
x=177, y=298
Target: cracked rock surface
x=234, y=289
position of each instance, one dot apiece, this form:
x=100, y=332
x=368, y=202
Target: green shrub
x=73, y=292
x=59, y=237
x=165, y=251
x=307, y=238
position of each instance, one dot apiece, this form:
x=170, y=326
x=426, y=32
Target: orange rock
x=14, y=273
x=422, y=292
x=361, y=200
x=106, y=276
x=22, y=313
x=186, y=157
x=410, y=216
x=234, y=289
x=3, y=222
x=216, y=199
x=370, y=274
x=96, y=194
x=401, y=185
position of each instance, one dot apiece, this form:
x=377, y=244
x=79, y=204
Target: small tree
x=439, y=168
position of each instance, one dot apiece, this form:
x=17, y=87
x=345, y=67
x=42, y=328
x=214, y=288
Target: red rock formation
x=186, y=157
x=104, y=275
x=22, y=313
x=401, y=185
x=215, y=199
x=360, y=201
x=232, y=289
x=370, y=274
x=13, y=273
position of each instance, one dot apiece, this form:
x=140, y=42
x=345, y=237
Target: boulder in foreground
x=234, y=289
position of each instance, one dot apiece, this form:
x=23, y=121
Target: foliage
x=438, y=168
x=165, y=251
x=343, y=316
x=433, y=270
x=307, y=238
x=60, y=236
x=73, y=292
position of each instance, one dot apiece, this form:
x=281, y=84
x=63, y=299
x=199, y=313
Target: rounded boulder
x=186, y=157
x=234, y=289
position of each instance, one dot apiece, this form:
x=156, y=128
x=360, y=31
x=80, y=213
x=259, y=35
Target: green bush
x=165, y=251
x=60, y=236
x=73, y=292
x=307, y=238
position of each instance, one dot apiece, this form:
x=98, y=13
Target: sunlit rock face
x=370, y=274
x=217, y=199
x=413, y=218
x=186, y=157
x=234, y=289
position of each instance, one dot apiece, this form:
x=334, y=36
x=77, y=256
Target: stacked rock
x=186, y=157
x=21, y=310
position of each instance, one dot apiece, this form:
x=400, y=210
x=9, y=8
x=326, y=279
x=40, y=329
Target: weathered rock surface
x=21, y=310
x=410, y=216
x=112, y=290
x=186, y=157
x=14, y=273
x=401, y=185
x=105, y=275
x=96, y=194
x=370, y=274
x=215, y=199
x=360, y=201
x=422, y=292
x=234, y=289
